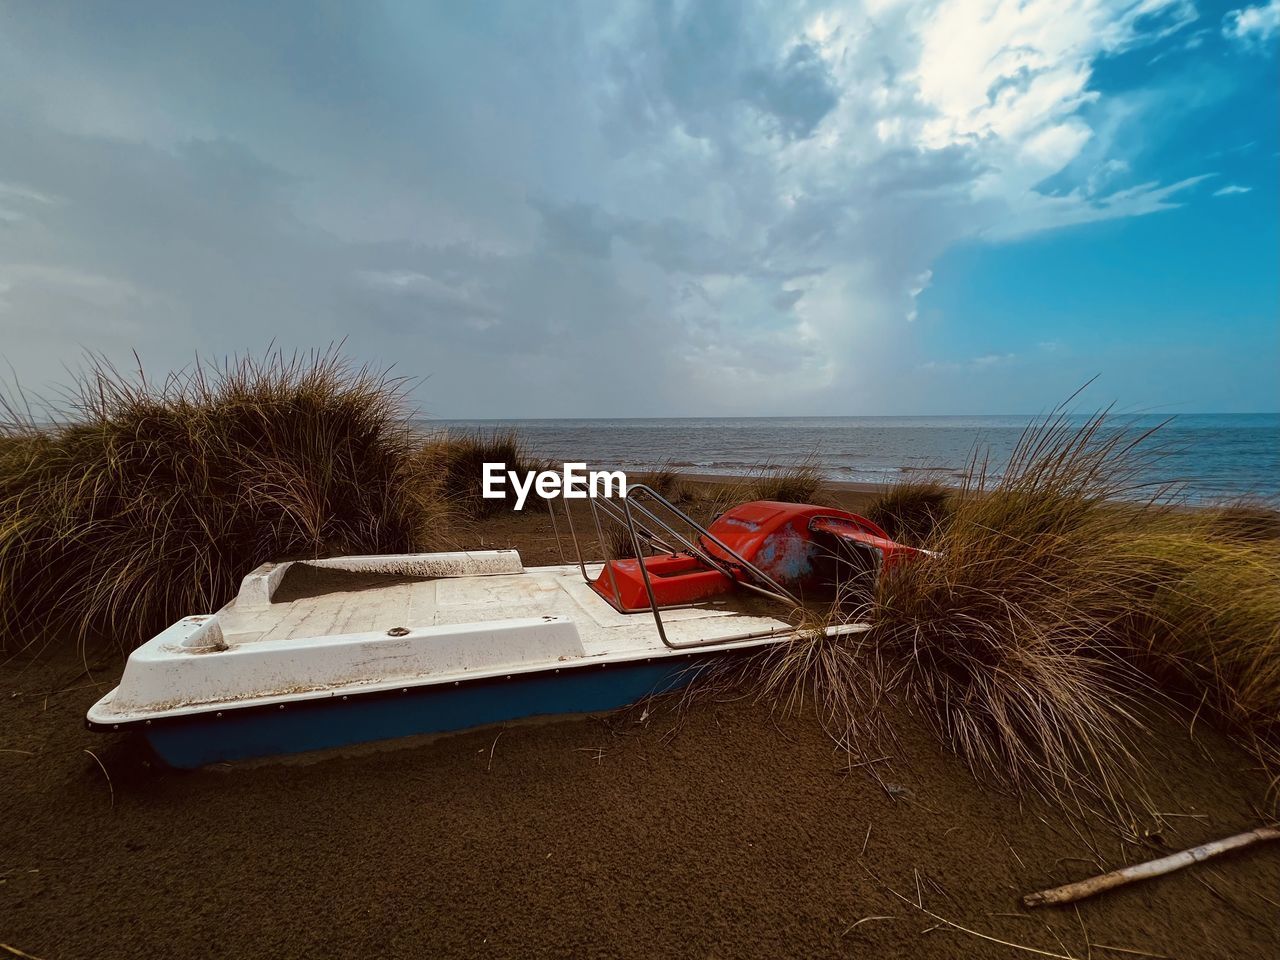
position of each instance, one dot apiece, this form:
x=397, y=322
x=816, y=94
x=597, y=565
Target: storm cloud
x=541, y=209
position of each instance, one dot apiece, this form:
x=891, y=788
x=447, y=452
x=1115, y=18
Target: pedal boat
x=331, y=652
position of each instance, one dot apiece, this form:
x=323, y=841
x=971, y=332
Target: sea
x=1209, y=456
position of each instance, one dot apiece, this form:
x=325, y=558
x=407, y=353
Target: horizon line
x=858, y=416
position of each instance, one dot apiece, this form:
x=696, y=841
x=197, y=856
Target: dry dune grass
x=799, y=482
x=1208, y=620
x=1007, y=638
x=148, y=500
x=452, y=467
x=1246, y=519
x=667, y=482
x=911, y=512
x=1066, y=598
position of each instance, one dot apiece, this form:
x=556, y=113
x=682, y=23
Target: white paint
x=258, y=586
x=161, y=675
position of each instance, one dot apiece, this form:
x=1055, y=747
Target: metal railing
x=738, y=568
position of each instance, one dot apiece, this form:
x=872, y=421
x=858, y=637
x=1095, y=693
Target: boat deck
x=556, y=591
x=360, y=625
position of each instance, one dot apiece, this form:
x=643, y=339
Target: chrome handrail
x=615, y=514
x=776, y=590
x=638, y=530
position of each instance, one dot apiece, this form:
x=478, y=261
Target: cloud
x=798, y=94
x=984, y=362
x=1252, y=26
x=446, y=298
x=17, y=192
x=991, y=359
x=642, y=207
x=1038, y=212
x=920, y=286
x=19, y=203
x=1230, y=190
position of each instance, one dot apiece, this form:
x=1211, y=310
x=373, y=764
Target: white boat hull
x=476, y=639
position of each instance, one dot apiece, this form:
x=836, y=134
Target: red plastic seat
x=677, y=580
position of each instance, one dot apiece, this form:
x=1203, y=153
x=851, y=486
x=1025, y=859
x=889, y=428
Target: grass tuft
x=667, y=482
x=1011, y=638
x=1246, y=519
x=454, y=466
x=144, y=501
x=800, y=482
x=1205, y=617
x=912, y=512
x=1015, y=642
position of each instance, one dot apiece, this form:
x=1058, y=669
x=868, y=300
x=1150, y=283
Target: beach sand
x=728, y=832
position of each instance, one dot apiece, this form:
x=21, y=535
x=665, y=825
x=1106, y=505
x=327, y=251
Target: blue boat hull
x=300, y=726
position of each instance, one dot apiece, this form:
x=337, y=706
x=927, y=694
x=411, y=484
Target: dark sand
x=733, y=834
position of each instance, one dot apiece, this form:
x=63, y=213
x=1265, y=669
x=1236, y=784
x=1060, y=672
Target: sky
x=655, y=208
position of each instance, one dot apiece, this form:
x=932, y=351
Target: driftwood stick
x=1068, y=893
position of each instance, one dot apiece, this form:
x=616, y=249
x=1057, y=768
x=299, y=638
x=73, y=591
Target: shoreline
x=854, y=487
x=864, y=491
x=1214, y=460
